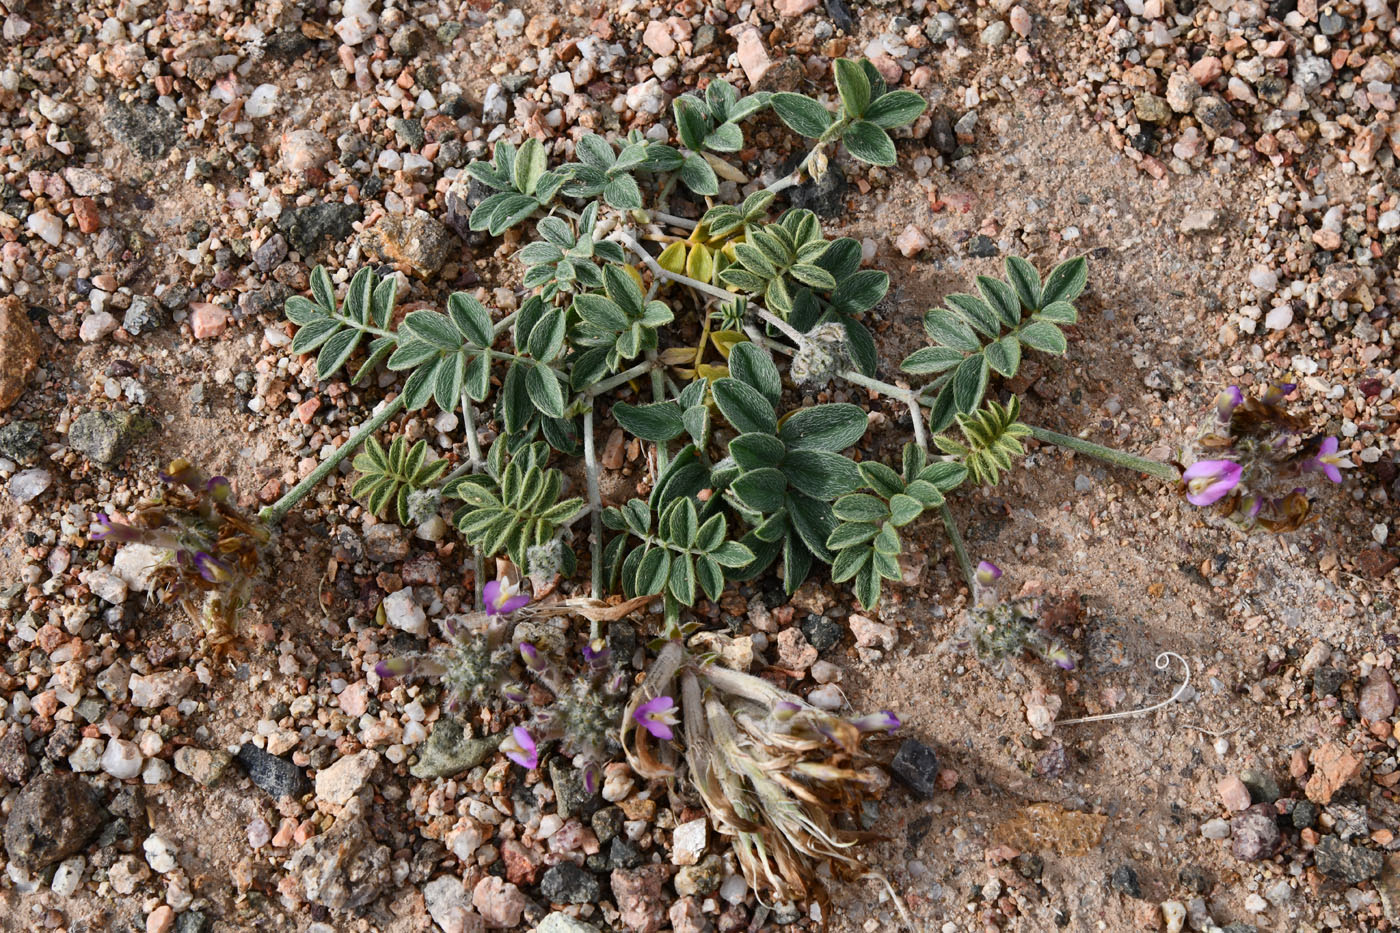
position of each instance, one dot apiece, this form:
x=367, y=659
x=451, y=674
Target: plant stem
x=627, y=375
x=595, y=502
x=782, y=184
x=503, y=323
x=673, y=220
x=787, y=329
x=473, y=464
x=469, y=429
x=1157, y=468
x=658, y=394
x=274, y=513
x=959, y=547
x=367, y=328
x=623, y=237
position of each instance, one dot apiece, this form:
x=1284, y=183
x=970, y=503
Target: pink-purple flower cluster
x=1251, y=457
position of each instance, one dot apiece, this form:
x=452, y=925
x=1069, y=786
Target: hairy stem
x=595, y=502
x=788, y=330
x=627, y=375
x=673, y=220
x=658, y=394
x=1157, y=468
x=473, y=464
x=959, y=547
x=274, y=513
x=787, y=181
x=626, y=239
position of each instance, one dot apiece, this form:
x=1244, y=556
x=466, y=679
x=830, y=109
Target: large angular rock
x=312, y=227
x=55, y=815
x=19, y=350
x=145, y=129
x=343, y=868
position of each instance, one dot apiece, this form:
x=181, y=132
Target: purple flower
x=515, y=693
x=503, y=597
x=1274, y=394
x=520, y=748
x=1208, y=481
x=1226, y=403
x=1059, y=657
x=532, y=657
x=392, y=667
x=1328, y=460
x=785, y=710
x=596, y=653
x=114, y=531
x=877, y=722
x=590, y=777
x=409, y=667
x=657, y=717
x=987, y=573
x=211, y=568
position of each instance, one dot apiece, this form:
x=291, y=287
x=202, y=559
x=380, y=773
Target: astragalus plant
x=689, y=333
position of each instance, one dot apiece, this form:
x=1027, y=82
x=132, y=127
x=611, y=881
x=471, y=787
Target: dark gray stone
x=1196, y=879
x=1329, y=24
x=570, y=796
x=270, y=254
x=940, y=133
x=1304, y=814
x=309, y=228
x=1347, y=863
x=842, y=16
x=623, y=854
x=53, y=816
x=104, y=436
x=21, y=441
x=410, y=132
x=450, y=750
x=1262, y=786
x=1327, y=681
x=145, y=129
x=143, y=316
x=917, y=766
x=822, y=633
x=566, y=883
x=826, y=196
x=1124, y=880
x=982, y=246
x=1213, y=113
x=277, y=776
x=607, y=823
x=192, y=921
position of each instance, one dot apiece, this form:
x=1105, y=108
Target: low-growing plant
x=740, y=479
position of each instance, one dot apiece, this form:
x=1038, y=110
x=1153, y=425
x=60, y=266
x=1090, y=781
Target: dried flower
x=213, y=550
x=657, y=717
x=1209, y=481
x=774, y=773
x=520, y=748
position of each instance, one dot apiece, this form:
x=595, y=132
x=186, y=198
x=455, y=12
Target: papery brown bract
x=215, y=550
